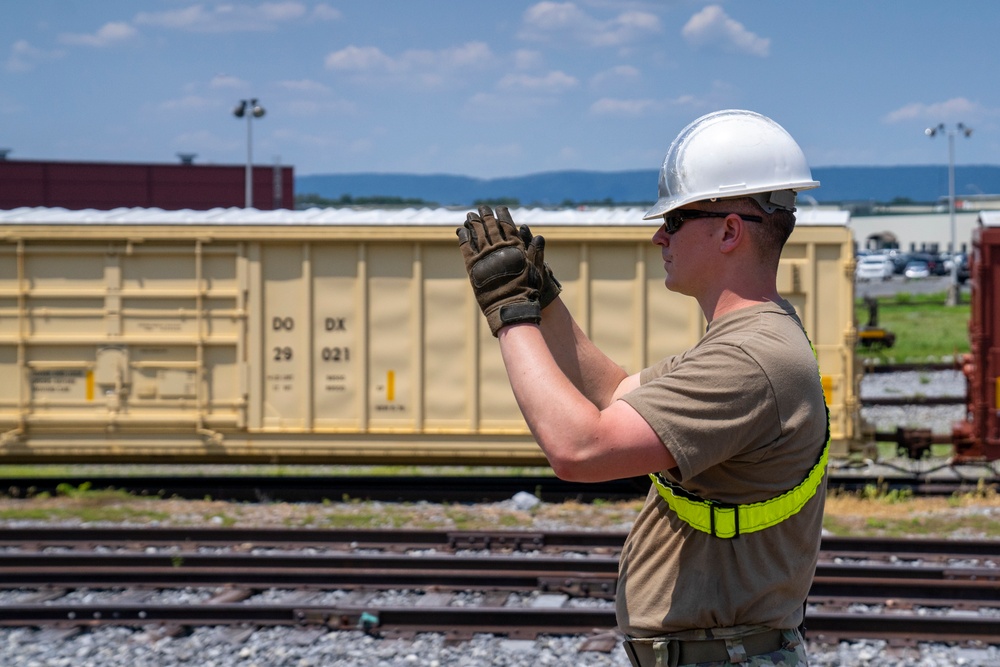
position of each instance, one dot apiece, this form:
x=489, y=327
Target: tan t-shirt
x=742, y=413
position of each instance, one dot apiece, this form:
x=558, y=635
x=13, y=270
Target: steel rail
x=903, y=401
x=36, y=538
x=320, y=488
x=902, y=368
x=465, y=621
x=437, y=488
x=594, y=576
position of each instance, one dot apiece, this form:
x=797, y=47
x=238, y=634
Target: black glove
x=505, y=273
x=551, y=287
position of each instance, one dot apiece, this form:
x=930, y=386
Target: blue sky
x=491, y=89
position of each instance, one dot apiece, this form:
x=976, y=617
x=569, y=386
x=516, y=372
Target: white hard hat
x=732, y=153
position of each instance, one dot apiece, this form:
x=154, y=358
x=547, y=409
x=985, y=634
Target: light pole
x=953, y=288
x=251, y=110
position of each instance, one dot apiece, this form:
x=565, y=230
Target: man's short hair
x=771, y=235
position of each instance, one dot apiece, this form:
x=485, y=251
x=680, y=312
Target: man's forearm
x=581, y=441
x=591, y=371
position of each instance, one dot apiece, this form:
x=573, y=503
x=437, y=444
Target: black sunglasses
x=672, y=221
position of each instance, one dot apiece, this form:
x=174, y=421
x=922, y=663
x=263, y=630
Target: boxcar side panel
x=338, y=330
x=319, y=344
x=449, y=328
x=393, y=337
x=285, y=334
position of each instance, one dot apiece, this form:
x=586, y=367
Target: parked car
x=934, y=264
x=873, y=267
x=916, y=269
x=899, y=261
x=963, y=268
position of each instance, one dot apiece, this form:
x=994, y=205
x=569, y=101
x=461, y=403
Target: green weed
x=926, y=329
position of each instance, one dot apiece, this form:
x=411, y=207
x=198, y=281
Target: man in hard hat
x=733, y=432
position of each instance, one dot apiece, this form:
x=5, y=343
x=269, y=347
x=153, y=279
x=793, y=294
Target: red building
x=108, y=185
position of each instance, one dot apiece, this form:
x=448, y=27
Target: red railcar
x=109, y=185
x=978, y=437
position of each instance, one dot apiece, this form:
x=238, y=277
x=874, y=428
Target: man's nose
x=661, y=237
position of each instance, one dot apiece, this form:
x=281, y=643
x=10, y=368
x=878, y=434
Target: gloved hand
x=506, y=273
x=551, y=287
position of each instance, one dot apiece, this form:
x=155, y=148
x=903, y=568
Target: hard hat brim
x=667, y=204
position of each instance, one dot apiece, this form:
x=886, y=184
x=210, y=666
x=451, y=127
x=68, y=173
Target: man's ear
x=733, y=233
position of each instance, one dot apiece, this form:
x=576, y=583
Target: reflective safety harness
x=728, y=521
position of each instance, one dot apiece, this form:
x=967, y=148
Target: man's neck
x=728, y=301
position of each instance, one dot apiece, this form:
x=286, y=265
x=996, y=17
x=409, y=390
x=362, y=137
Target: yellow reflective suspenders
x=728, y=521
x=725, y=520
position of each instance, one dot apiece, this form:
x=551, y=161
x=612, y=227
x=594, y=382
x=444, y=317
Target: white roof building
x=910, y=231
x=630, y=216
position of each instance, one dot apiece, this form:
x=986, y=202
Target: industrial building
x=110, y=185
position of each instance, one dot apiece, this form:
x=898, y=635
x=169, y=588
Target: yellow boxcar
x=331, y=336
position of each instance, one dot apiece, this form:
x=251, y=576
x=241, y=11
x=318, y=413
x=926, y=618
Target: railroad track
x=453, y=488
x=902, y=368
x=933, y=590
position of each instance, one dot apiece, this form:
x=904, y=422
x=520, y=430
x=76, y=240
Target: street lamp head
x=248, y=106
x=940, y=128
x=250, y=109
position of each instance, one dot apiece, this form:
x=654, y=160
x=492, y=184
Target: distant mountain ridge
x=919, y=183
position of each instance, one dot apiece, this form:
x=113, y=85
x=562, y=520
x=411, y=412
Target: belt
x=643, y=652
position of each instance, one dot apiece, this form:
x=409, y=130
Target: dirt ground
x=966, y=517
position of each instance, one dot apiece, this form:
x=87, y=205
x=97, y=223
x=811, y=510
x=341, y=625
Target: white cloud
x=189, y=103
x=226, y=82
x=607, y=106
x=106, y=35
x=472, y=54
x=955, y=109
x=359, y=59
x=634, y=108
x=304, y=86
x=713, y=26
x=546, y=20
x=558, y=16
x=615, y=75
x=306, y=108
x=23, y=56
x=418, y=66
x=527, y=59
x=228, y=17
x=313, y=98
x=325, y=12
x=361, y=146
x=553, y=82
x=569, y=154
x=496, y=106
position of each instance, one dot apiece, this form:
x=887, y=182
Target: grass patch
x=359, y=517
x=926, y=329
x=28, y=470
x=88, y=512
x=86, y=505
x=877, y=513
